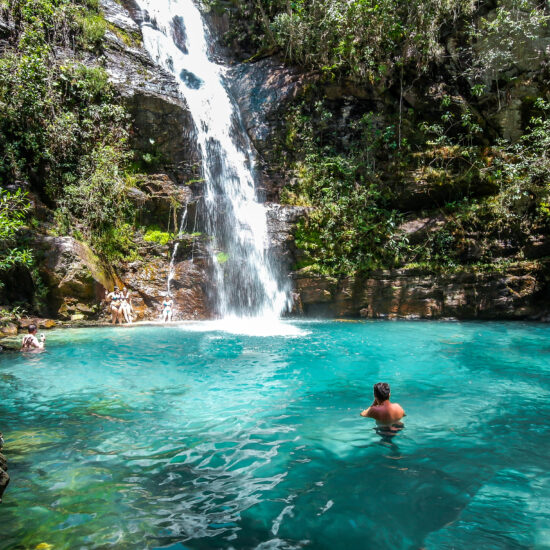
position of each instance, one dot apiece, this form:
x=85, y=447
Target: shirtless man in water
x=31, y=342
x=382, y=410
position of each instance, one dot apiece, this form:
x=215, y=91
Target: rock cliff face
x=162, y=128
x=75, y=277
x=519, y=293
x=265, y=90
x=189, y=273
x=161, y=122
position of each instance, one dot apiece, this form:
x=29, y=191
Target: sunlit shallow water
x=193, y=437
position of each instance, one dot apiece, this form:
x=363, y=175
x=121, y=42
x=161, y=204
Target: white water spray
x=247, y=281
x=171, y=270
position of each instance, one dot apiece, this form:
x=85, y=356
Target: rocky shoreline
x=520, y=293
x=4, y=476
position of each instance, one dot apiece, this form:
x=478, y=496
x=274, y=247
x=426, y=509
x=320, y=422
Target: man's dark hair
x=31, y=328
x=382, y=391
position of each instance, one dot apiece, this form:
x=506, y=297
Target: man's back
x=382, y=409
x=386, y=413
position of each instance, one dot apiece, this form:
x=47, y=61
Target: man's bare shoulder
x=397, y=409
x=398, y=406
x=374, y=411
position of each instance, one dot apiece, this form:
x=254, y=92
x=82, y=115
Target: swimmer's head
x=382, y=391
x=32, y=329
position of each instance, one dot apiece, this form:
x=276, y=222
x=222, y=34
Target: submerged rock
x=4, y=477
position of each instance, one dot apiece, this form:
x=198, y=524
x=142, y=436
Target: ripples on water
x=194, y=437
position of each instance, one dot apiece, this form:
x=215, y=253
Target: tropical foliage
x=13, y=209
x=464, y=56
x=63, y=130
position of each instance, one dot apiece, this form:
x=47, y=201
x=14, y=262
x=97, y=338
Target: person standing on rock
x=115, y=304
x=127, y=308
x=167, y=306
x=31, y=342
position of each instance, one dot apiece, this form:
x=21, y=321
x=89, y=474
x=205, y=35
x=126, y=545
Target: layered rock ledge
x=517, y=293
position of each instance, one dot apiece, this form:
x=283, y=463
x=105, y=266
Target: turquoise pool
x=195, y=437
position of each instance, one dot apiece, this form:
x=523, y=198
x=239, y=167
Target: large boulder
x=74, y=275
x=8, y=329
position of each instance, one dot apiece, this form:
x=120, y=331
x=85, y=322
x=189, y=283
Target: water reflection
x=387, y=433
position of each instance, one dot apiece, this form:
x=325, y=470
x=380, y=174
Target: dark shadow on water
x=388, y=433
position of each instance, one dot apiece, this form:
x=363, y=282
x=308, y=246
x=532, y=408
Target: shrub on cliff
x=63, y=129
x=13, y=209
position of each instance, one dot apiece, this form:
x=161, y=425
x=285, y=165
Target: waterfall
x=247, y=281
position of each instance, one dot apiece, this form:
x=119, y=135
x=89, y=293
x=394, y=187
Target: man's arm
x=37, y=344
x=371, y=411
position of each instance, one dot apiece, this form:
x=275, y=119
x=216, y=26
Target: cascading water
x=247, y=280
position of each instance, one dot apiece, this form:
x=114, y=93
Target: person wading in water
x=382, y=410
x=31, y=342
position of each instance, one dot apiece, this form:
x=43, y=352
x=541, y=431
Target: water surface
x=193, y=437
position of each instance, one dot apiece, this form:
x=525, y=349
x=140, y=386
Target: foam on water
x=246, y=326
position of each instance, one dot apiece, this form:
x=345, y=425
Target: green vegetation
x=403, y=117
x=155, y=235
x=222, y=257
x=62, y=128
x=350, y=227
x=517, y=208
x=13, y=209
x=441, y=74
x=493, y=193
x=364, y=39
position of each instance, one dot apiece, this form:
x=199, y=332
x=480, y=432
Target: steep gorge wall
x=73, y=277
x=500, y=274
x=266, y=90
